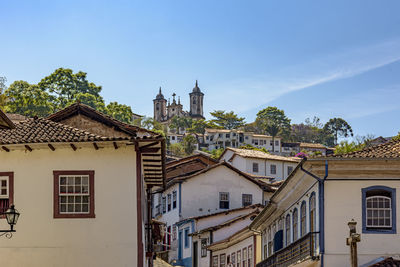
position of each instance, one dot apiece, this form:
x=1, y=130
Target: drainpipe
x=321, y=198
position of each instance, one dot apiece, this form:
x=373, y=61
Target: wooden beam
x=150, y=149
x=96, y=146
x=151, y=155
x=73, y=147
x=51, y=147
x=151, y=160
x=29, y=148
x=151, y=165
x=149, y=145
x=153, y=177
x=115, y=145
x=5, y=149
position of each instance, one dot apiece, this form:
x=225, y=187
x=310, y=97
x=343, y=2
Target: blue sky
x=310, y=58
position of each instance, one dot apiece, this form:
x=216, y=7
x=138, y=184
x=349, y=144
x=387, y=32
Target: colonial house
x=223, y=138
x=202, y=191
x=291, y=149
x=81, y=183
x=306, y=220
x=260, y=163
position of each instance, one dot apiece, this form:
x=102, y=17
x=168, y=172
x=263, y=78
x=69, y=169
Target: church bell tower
x=196, y=102
x=160, y=107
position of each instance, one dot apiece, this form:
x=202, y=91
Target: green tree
x=338, y=127
x=150, y=123
x=180, y=123
x=28, y=99
x=120, y=112
x=347, y=147
x=189, y=144
x=177, y=149
x=274, y=122
x=397, y=137
x=226, y=120
x=3, y=87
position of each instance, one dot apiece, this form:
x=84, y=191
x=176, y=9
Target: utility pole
x=352, y=241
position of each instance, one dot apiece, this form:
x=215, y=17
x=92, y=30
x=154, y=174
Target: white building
x=291, y=149
x=222, y=138
x=312, y=208
x=78, y=180
x=260, y=163
x=219, y=187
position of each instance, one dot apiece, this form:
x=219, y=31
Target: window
x=273, y=169
x=289, y=170
x=287, y=230
x=238, y=260
x=255, y=141
x=313, y=217
x=379, y=209
x=74, y=194
x=234, y=134
x=203, y=247
x=276, y=143
x=233, y=258
x=186, y=237
x=249, y=256
x=173, y=232
x=220, y=135
x=244, y=257
x=270, y=242
x=6, y=190
x=303, y=216
x=164, y=205
x=295, y=224
x=246, y=137
x=224, y=200
x=169, y=202
x=173, y=137
x=215, y=261
x=227, y=135
x=174, y=200
x=271, y=143
x=247, y=199
x=169, y=237
x=255, y=167
x=222, y=260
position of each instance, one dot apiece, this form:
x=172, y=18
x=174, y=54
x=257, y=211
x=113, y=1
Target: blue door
x=180, y=245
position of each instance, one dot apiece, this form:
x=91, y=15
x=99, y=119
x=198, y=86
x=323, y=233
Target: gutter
x=321, y=199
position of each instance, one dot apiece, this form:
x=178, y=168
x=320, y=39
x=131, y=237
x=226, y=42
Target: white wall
x=200, y=195
x=235, y=248
x=110, y=239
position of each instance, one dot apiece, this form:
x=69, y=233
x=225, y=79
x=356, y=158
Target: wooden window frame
x=56, y=198
x=10, y=188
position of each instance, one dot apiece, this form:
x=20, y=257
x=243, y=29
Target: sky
x=310, y=58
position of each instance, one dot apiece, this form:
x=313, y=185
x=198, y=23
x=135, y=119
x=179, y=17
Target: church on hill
x=164, y=111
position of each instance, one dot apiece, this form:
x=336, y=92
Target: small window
x=276, y=143
x=222, y=260
x=220, y=135
x=255, y=167
x=244, y=257
x=204, y=247
x=186, y=237
x=287, y=230
x=249, y=256
x=224, y=200
x=215, y=261
x=74, y=194
x=379, y=209
x=174, y=200
x=247, y=199
x=303, y=219
x=173, y=138
x=227, y=135
x=273, y=169
x=239, y=258
x=233, y=259
x=169, y=202
x=271, y=143
x=246, y=137
x=295, y=225
x=6, y=190
x=289, y=170
x=234, y=134
x=164, y=205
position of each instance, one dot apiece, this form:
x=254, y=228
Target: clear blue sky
x=310, y=58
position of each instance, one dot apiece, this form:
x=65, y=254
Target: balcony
x=302, y=249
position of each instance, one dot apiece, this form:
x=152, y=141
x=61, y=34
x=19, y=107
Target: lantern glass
x=12, y=215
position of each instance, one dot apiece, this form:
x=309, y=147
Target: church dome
x=160, y=95
x=196, y=88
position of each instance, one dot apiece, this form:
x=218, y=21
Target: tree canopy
x=57, y=91
x=338, y=127
x=226, y=120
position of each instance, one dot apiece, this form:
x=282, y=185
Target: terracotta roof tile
x=248, y=153
x=387, y=150
x=41, y=130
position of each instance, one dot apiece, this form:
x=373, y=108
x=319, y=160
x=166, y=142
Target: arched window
x=287, y=230
x=270, y=242
x=303, y=220
x=158, y=106
x=295, y=224
x=379, y=209
x=194, y=101
x=313, y=214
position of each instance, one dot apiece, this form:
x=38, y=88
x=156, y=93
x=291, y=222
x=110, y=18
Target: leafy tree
x=274, y=122
x=28, y=99
x=250, y=147
x=3, y=97
x=189, y=144
x=397, y=137
x=226, y=120
x=347, y=147
x=180, y=123
x=338, y=127
x=150, y=123
x=120, y=112
x=216, y=153
x=177, y=149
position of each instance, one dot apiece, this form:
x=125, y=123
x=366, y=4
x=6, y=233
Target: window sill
x=74, y=216
x=379, y=231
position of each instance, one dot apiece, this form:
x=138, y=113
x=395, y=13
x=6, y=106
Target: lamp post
x=352, y=241
x=12, y=216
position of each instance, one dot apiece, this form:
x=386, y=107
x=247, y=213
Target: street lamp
x=352, y=241
x=12, y=216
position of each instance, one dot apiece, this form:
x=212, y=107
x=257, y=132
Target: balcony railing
x=300, y=250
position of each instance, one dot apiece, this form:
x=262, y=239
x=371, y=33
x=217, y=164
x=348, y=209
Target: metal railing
x=304, y=248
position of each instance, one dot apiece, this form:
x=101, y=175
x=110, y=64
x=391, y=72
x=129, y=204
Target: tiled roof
x=225, y=212
x=40, y=130
x=248, y=153
x=387, y=150
x=312, y=145
x=388, y=262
